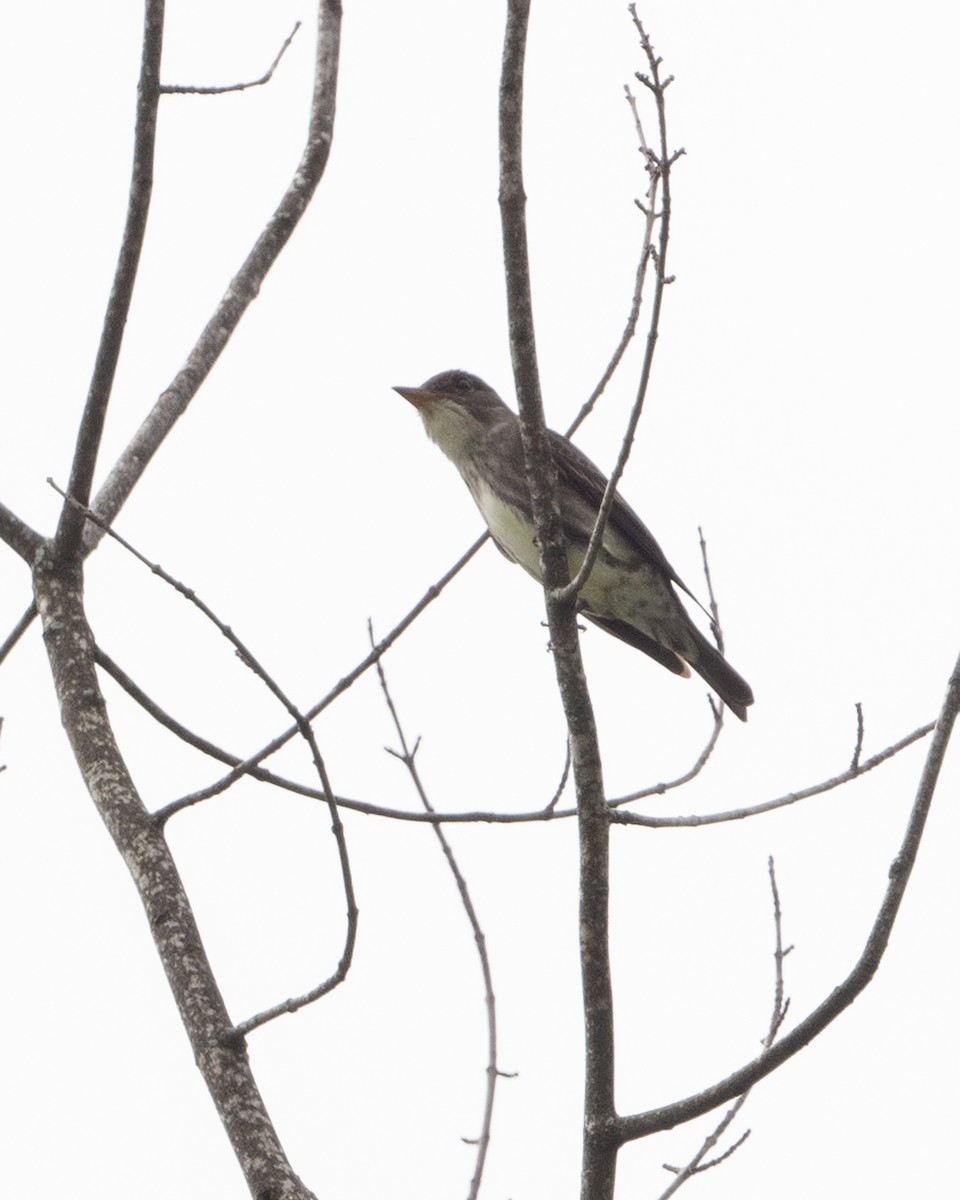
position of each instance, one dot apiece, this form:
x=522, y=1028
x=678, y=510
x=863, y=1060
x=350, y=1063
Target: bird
x=631, y=591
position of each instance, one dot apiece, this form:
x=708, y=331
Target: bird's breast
x=513, y=530
x=510, y=526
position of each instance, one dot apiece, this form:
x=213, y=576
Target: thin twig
x=713, y=612
x=185, y=89
x=649, y=211
x=629, y=331
x=17, y=632
x=661, y=789
x=550, y=807
x=243, y=767
x=696, y=1165
x=714, y=607
x=740, y=814
x=659, y=166
x=408, y=757
x=261, y=774
x=780, y=1006
x=858, y=748
x=306, y=732
x=486, y=817
x=669, y=1115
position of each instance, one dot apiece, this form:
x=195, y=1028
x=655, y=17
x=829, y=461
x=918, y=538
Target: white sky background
x=803, y=410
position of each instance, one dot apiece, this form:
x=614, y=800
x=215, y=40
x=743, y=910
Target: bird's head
x=458, y=410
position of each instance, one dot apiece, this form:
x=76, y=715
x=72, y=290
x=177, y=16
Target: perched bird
x=629, y=592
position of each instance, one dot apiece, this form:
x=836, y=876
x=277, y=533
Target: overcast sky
x=803, y=412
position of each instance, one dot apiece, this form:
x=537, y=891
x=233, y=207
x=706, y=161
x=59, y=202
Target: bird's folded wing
x=585, y=478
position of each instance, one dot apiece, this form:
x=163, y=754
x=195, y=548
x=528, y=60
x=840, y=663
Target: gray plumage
x=630, y=591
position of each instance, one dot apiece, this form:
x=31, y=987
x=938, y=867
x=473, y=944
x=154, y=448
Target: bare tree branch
x=487, y=816
x=18, y=631
x=306, y=732
x=186, y=89
x=696, y=1165
x=191, y=738
x=711, y=597
x=649, y=211
x=658, y=166
x=858, y=748
x=243, y=288
x=18, y=535
x=121, y=294
x=550, y=807
x=245, y=766
x=220, y=1045
x=665, y=1117
x=661, y=789
x=408, y=757
x=740, y=814
x=220, y=1056
x=58, y=583
x=599, y=1151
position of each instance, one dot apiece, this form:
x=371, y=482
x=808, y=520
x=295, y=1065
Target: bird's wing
x=587, y=479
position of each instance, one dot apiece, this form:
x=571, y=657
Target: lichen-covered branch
x=221, y=1057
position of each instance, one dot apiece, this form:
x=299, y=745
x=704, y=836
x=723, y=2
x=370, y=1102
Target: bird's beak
x=418, y=397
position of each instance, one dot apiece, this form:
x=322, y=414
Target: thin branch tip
x=175, y=89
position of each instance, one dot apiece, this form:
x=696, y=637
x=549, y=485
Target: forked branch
x=642, y=1124
x=243, y=288
x=305, y=730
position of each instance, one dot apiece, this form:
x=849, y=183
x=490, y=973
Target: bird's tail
x=732, y=688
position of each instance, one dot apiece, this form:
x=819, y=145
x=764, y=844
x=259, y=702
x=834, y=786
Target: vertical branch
x=541, y=472
x=242, y=289
x=599, y=1146
x=121, y=294
x=219, y=1050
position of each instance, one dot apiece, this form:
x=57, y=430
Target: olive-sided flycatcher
x=630, y=591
